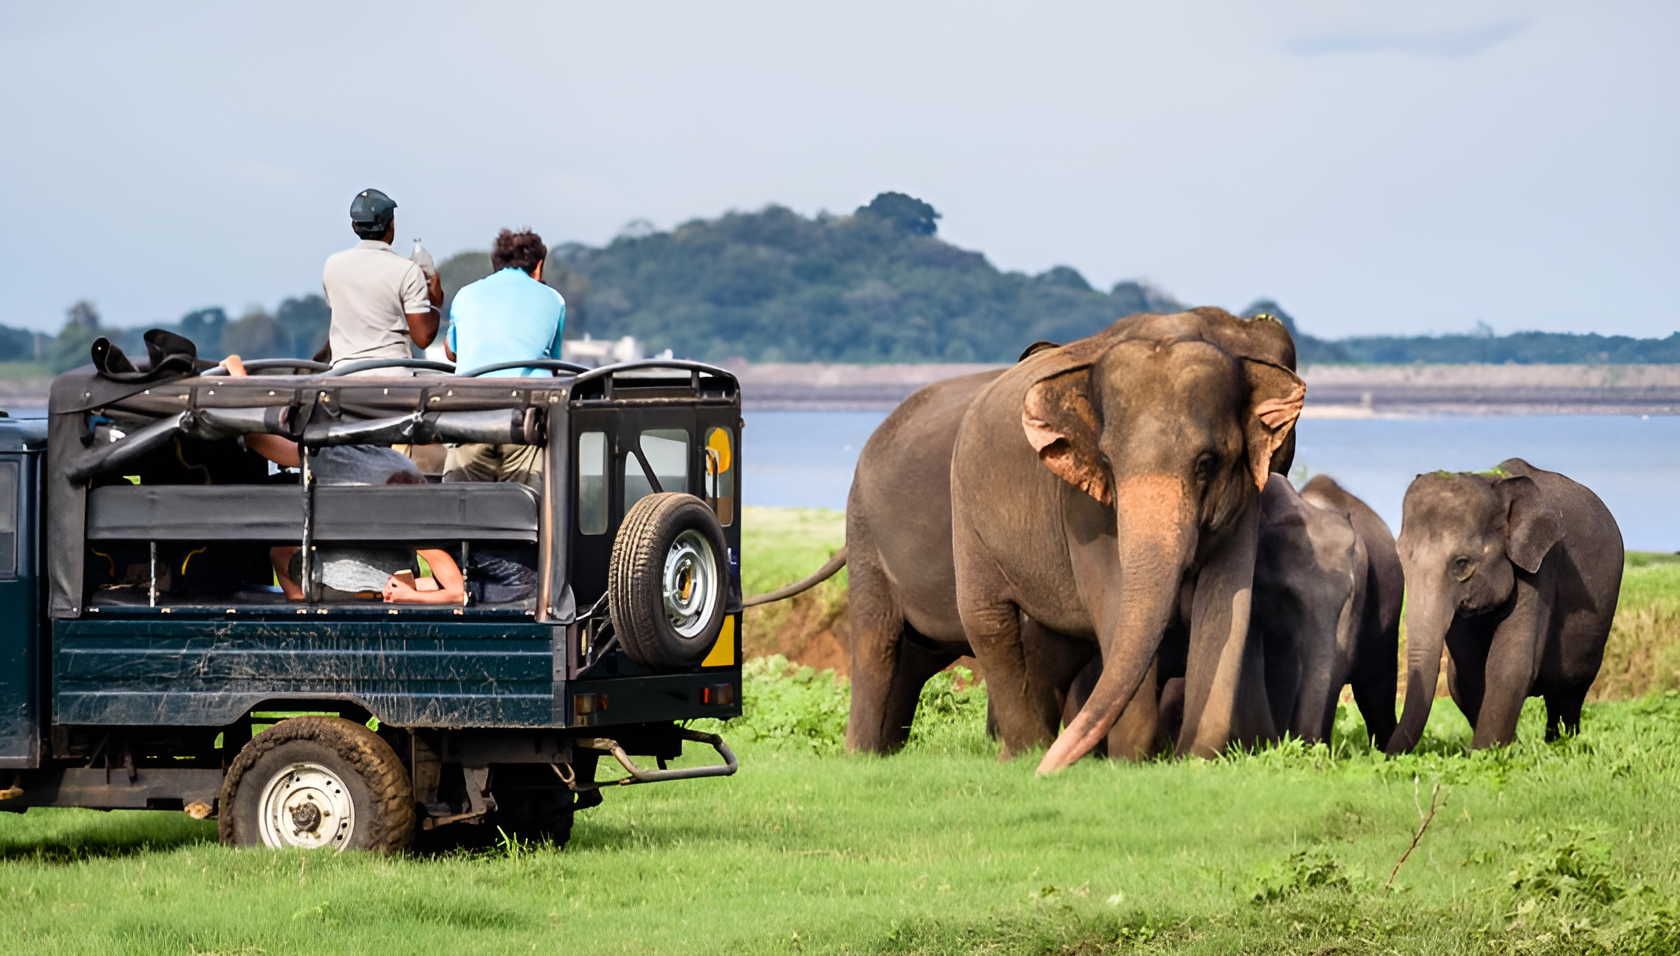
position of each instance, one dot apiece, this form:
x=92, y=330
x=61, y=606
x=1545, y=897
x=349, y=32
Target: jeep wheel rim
x=690, y=583
x=306, y=805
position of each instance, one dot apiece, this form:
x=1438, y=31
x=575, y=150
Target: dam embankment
x=1333, y=391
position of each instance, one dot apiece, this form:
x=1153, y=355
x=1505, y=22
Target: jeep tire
x=318, y=782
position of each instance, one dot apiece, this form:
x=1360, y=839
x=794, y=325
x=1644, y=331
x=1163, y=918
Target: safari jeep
x=151, y=661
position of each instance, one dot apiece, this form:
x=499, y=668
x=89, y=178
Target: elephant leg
x=1376, y=671
x=1171, y=710
x=1079, y=690
x=1135, y=735
x=994, y=631
x=1374, y=692
x=1467, y=684
x=1509, y=675
x=916, y=663
x=992, y=622
x=877, y=633
x=1056, y=666
x=1315, y=710
x=1563, y=711
x=1284, y=677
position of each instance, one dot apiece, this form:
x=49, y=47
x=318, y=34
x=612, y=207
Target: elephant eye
x=1462, y=568
x=1206, y=464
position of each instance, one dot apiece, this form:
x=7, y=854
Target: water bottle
x=423, y=259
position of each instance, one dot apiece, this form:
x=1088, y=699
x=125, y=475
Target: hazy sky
x=1375, y=167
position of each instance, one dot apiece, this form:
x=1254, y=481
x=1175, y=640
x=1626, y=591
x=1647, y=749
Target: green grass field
x=1571, y=847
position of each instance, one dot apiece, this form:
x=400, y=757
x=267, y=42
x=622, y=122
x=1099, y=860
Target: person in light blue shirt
x=508, y=316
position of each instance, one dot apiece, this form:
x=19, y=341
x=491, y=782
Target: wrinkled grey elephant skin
x=902, y=581
x=1517, y=572
x=1096, y=484
x=1326, y=612
x=1374, y=670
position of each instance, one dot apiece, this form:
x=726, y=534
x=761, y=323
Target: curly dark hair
x=523, y=249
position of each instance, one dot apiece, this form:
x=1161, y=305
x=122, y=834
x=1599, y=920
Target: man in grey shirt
x=382, y=304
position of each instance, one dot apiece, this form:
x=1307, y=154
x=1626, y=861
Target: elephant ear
x=1062, y=426
x=1532, y=525
x=1276, y=395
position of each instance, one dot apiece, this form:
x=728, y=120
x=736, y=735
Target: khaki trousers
x=521, y=463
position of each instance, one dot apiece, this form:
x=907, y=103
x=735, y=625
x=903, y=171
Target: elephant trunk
x=1156, y=535
x=1427, y=618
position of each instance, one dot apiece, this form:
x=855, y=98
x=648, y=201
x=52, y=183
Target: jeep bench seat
x=455, y=511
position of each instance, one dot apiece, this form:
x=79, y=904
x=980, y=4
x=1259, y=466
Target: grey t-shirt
x=357, y=572
x=371, y=290
x=360, y=465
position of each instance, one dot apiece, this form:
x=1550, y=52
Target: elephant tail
x=817, y=577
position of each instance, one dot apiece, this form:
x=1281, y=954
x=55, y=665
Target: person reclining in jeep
x=392, y=574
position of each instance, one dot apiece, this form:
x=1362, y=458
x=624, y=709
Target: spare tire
x=667, y=586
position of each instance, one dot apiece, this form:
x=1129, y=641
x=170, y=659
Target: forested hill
x=875, y=286
x=878, y=285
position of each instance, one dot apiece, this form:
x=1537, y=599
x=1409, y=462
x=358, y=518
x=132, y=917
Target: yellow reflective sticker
x=723, y=652
x=718, y=443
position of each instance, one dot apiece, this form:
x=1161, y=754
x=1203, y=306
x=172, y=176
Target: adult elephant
x=902, y=579
x=1093, y=483
x=1517, y=571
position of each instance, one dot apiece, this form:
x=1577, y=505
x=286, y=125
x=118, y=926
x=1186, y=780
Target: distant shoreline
x=1333, y=391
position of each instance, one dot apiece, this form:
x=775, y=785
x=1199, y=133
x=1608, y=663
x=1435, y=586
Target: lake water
x=805, y=459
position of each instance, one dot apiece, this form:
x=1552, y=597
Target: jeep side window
x=8, y=518
x=664, y=458
x=720, y=474
x=592, y=482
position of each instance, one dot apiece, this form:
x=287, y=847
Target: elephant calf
x=1517, y=571
x=1326, y=613
x=1327, y=592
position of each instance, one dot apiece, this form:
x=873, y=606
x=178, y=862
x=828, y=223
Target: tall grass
x=780, y=546
x=1643, y=653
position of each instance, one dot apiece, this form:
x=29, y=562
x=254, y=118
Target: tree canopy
x=878, y=285
x=875, y=286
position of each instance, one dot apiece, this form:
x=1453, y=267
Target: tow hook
x=640, y=775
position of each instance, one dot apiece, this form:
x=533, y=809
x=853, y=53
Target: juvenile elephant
x=1326, y=611
x=1091, y=484
x=1327, y=594
x=1518, y=572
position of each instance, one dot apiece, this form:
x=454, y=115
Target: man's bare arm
x=281, y=451
x=422, y=327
